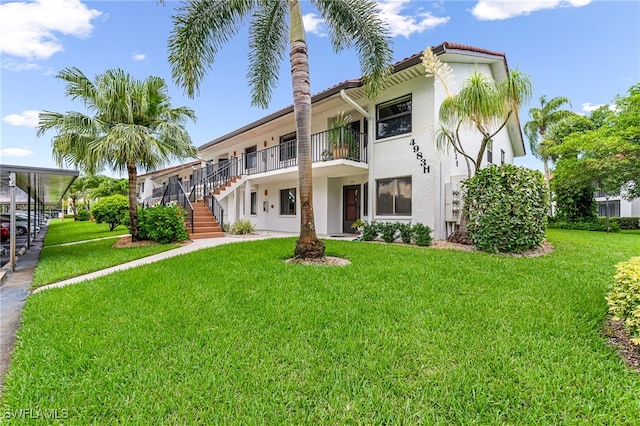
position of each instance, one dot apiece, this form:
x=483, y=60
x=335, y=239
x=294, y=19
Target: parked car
x=4, y=231
x=21, y=222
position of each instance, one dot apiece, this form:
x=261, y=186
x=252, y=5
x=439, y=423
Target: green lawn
x=403, y=335
x=67, y=231
x=60, y=262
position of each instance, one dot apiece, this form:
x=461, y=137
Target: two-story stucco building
x=384, y=165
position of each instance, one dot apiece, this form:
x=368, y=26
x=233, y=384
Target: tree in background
x=542, y=119
x=203, y=26
x=111, y=210
x=133, y=126
x=605, y=155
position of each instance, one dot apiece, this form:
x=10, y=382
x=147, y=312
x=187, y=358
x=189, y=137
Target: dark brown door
x=351, y=207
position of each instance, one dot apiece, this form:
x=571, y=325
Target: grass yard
x=60, y=262
x=68, y=231
x=403, y=335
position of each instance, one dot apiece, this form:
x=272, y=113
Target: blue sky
x=587, y=51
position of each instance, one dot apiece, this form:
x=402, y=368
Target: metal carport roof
x=33, y=186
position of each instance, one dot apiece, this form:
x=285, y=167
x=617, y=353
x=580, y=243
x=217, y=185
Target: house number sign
x=419, y=156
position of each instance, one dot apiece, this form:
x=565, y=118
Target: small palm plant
x=340, y=137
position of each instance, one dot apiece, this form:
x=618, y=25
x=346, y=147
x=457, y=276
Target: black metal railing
x=334, y=144
x=216, y=209
x=174, y=192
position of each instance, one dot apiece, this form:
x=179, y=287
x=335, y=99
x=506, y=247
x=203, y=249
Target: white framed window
x=254, y=203
x=288, y=202
x=393, y=196
x=502, y=157
x=393, y=117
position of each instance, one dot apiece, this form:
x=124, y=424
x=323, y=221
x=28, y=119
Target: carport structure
x=37, y=188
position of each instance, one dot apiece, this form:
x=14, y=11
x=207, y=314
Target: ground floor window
x=288, y=201
x=254, y=203
x=614, y=208
x=393, y=196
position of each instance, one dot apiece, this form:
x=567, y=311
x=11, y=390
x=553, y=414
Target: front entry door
x=351, y=207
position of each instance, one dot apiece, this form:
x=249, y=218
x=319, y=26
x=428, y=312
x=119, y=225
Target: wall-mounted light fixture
x=265, y=143
x=266, y=192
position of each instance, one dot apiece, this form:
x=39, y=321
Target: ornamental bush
x=164, y=224
x=624, y=298
x=241, y=227
x=506, y=208
x=111, y=210
x=83, y=215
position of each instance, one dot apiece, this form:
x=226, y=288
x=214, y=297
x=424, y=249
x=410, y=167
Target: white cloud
x=29, y=118
x=313, y=24
x=493, y=10
x=11, y=65
x=393, y=12
x=404, y=24
x=16, y=152
x=139, y=56
x=28, y=30
x=589, y=107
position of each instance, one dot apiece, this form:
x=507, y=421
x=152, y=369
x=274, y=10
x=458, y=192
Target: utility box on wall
x=452, y=202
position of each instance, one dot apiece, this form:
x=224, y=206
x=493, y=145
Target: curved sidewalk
x=191, y=247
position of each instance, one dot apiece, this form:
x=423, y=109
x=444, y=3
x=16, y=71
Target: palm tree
x=133, y=126
x=203, y=26
x=541, y=121
x=482, y=104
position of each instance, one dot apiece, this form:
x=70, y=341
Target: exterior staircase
x=204, y=224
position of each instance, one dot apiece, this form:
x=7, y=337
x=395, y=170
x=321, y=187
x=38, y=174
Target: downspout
x=371, y=125
x=353, y=103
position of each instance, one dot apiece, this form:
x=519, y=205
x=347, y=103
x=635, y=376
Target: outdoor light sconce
x=234, y=153
x=266, y=192
x=265, y=143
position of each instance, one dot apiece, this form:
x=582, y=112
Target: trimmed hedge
x=626, y=223
x=506, y=208
x=598, y=224
x=624, y=298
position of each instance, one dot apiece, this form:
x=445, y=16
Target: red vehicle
x=4, y=231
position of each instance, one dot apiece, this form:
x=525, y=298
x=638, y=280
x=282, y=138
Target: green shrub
x=370, y=230
x=164, y=224
x=421, y=234
x=506, y=208
x=241, y=227
x=598, y=224
x=388, y=231
x=405, y=232
x=83, y=215
x=624, y=298
x=627, y=223
x=111, y=210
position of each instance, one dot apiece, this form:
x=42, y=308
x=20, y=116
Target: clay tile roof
x=458, y=46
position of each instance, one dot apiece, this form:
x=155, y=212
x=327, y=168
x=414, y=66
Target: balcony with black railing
x=335, y=144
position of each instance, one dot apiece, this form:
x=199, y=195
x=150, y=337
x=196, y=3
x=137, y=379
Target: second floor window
x=288, y=147
x=393, y=118
x=251, y=155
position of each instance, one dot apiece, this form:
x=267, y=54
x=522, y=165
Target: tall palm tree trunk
x=308, y=246
x=132, y=172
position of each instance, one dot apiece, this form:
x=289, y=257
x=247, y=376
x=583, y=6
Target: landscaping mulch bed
x=126, y=242
x=618, y=337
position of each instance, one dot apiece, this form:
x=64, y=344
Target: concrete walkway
x=191, y=247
